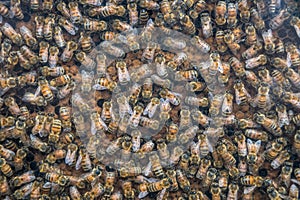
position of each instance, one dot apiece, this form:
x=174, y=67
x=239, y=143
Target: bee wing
x=78, y=162
x=11, y=154
x=103, y=124
x=67, y=158
x=93, y=128
x=249, y=143
x=161, y=194
x=143, y=194
x=248, y=190
x=257, y=144
x=147, y=169
x=98, y=87
x=295, y=181
x=289, y=60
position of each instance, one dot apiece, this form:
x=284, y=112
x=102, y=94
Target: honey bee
x=68, y=52
x=206, y=24
x=123, y=74
x=128, y=190
x=28, y=37
x=269, y=41
x=279, y=78
x=7, y=83
x=59, y=37
x=97, y=124
x=227, y=105
x=256, y=19
x=164, y=83
x=237, y=66
x=256, y=134
x=292, y=99
x=228, y=158
x=4, y=11
x=251, y=36
x=43, y=51
x=188, y=25
x=6, y=153
x=187, y=75
x=230, y=41
x=53, y=56
x=56, y=155
x=23, y=61
x=34, y=99
x=47, y=5
x=83, y=160
x=56, y=178
x=295, y=22
x=215, y=190
x=47, y=28
x=156, y=166
x=293, y=55
x=274, y=150
x=221, y=45
x=280, y=159
x=112, y=50
x=5, y=168
x=60, y=80
x=75, y=14
x=94, y=25
x=241, y=94
x=86, y=42
x=87, y=79
x=200, y=44
x=101, y=65
x=7, y=121
x=283, y=118
x=175, y=155
x=264, y=74
x=24, y=178
x=296, y=143
x=39, y=25
x=4, y=186
x=188, y=134
x=172, y=132
x=74, y=193
x=293, y=192
x=6, y=47
x=242, y=146
x=13, y=107
x=132, y=13
x=233, y=189
x=200, y=118
x=136, y=115
x=16, y=11
x=232, y=14
x=172, y=97
x=216, y=104
x=279, y=19
x=211, y=175
x=151, y=107
x=68, y=26
x=244, y=11
x=220, y=12
x=269, y=124
x=253, y=149
x=62, y=8
x=148, y=53
x=104, y=83
x=23, y=191
x=55, y=71
x=262, y=99
x=145, y=148
x=11, y=33
x=172, y=43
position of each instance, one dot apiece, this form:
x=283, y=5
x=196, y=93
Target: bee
x=220, y=13
x=215, y=190
x=188, y=134
x=262, y=99
x=53, y=56
x=62, y=8
x=211, y=175
x=188, y=25
x=83, y=160
x=204, y=145
x=283, y=118
x=280, y=159
x=4, y=186
x=232, y=14
x=175, y=155
x=149, y=4
x=107, y=113
x=253, y=149
x=206, y=24
x=187, y=75
x=274, y=150
x=55, y=131
x=47, y=28
x=60, y=80
x=200, y=118
x=264, y=74
x=227, y=106
x=28, y=37
x=97, y=124
x=132, y=13
x=6, y=47
x=4, y=11
x=164, y=83
x=47, y=5
x=26, y=52
x=221, y=45
x=293, y=55
x=269, y=124
x=13, y=107
x=33, y=99
x=104, y=83
x=256, y=19
x=68, y=52
x=123, y=74
x=145, y=148
x=74, y=193
x=7, y=83
x=241, y=94
x=134, y=94
x=292, y=99
x=233, y=189
x=256, y=134
x=101, y=65
x=11, y=33
x=185, y=119
x=163, y=150
x=109, y=180
x=143, y=17
x=94, y=25
x=124, y=106
x=24, y=178
x=296, y=143
x=251, y=36
x=151, y=107
x=45, y=89
x=244, y=11
x=279, y=78
x=55, y=71
x=172, y=43
x=295, y=22
x=16, y=10
x=203, y=46
x=6, y=153
x=75, y=14
x=227, y=157
x=23, y=61
x=5, y=168
x=56, y=178
x=230, y=41
x=59, y=37
x=43, y=51
x=242, y=146
x=279, y=19
x=84, y=59
x=198, y=7
x=216, y=104
x=112, y=50
x=146, y=34
x=156, y=166
x=86, y=78
x=86, y=42
x=293, y=192
x=128, y=191
x=172, y=97
x=148, y=53
x=238, y=67
x=23, y=191
x=136, y=115
x=172, y=132
x=64, y=113
x=68, y=26
x=195, y=86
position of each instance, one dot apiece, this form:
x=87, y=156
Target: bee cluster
x=222, y=103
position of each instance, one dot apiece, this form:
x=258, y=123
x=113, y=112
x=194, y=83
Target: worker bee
x=188, y=134
x=279, y=19
x=262, y=99
x=68, y=26
x=253, y=149
x=23, y=61
x=283, y=118
x=95, y=192
x=123, y=74
x=293, y=55
x=28, y=37
x=295, y=22
x=256, y=134
x=101, y=64
x=59, y=37
x=47, y=5
x=227, y=105
x=24, y=178
x=216, y=104
x=164, y=83
x=62, y=8
x=241, y=94
x=47, y=28
x=232, y=14
x=53, y=56
x=16, y=11
x=22, y=192
x=128, y=190
x=83, y=160
x=45, y=89
x=55, y=71
x=68, y=52
x=237, y=66
x=200, y=44
x=97, y=124
x=151, y=107
x=132, y=13
x=187, y=75
x=94, y=25
x=6, y=47
x=230, y=41
x=43, y=51
x=34, y=99
x=244, y=11
x=112, y=50
x=172, y=132
x=269, y=41
x=228, y=158
x=256, y=19
x=60, y=80
x=220, y=12
x=269, y=124
x=242, y=146
x=211, y=175
x=148, y=53
x=75, y=14
x=74, y=193
x=4, y=11
x=251, y=36
x=39, y=25
x=5, y=168
x=252, y=50
x=221, y=45
x=188, y=25
x=233, y=189
x=206, y=24
x=172, y=43
x=86, y=42
x=135, y=117
x=4, y=186
x=172, y=97
x=200, y=118
x=86, y=81
x=13, y=107
x=6, y=153
x=10, y=32
x=84, y=59
x=280, y=159
x=104, y=83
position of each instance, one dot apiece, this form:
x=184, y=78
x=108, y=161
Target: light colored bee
x=280, y=159
x=295, y=22
x=232, y=14
x=227, y=106
x=124, y=106
x=28, y=37
x=172, y=43
x=188, y=134
x=123, y=74
x=112, y=50
x=206, y=24
x=75, y=14
x=186, y=75
x=59, y=37
x=279, y=19
x=256, y=61
x=293, y=55
x=68, y=52
x=6, y=153
x=86, y=81
x=136, y=115
x=176, y=153
x=148, y=53
x=244, y=11
x=97, y=124
x=292, y=99
x=164, y=83
x=269, y=41
x=11, y=33
x=134, y=93
x=94, y=25
x=66, y=90
x=253, y=149
x=68, y=26
x=34, y=99
x=101, y=64
x=62, y=8
x=172, y=97
x=133, y=13
x=200, y=44
x=216, y=104
x=264, y=74
x=200, y=118
x=53, y=56
x=151, y=107
x=145, y=148
x=238, y=67
x=83, y=160
x=161, y=68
